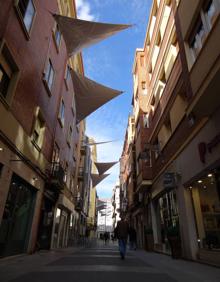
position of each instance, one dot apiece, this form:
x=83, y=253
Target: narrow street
x=102, y=263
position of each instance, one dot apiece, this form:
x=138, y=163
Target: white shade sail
x=90, y=95
x=98, y=143
x=103, y=167
x=79, y=34
x=96, y=178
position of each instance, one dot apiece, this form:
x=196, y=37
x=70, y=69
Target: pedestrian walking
x=132, y=238
x=121, y=232
x=106, y=237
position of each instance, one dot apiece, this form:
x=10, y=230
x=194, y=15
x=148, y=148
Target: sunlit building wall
x=38, y=132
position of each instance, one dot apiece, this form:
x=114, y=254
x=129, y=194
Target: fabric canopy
x=103, y=167
x=96, y=178
x=90, y=95
x=98, y=143
x=79, y=34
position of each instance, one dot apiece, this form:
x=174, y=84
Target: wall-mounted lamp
x=1, y=149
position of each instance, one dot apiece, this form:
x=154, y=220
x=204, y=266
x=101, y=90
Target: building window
x=61, y=116
x=38, y=130
x=66, y=172
x=49, y=76
x=210, y=10
x=142, y=61
x=143, y=85
x=57, y=36
x=146, y=120
x=9, y=74
x=67, y=75
x=69, y=135
x=26, y=12
x=197, y=37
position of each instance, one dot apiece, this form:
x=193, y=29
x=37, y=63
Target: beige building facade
x=179, y=68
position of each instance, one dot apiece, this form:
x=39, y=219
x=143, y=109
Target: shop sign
x=205, y=148
x=169, y=180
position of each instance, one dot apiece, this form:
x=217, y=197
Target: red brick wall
x=31, y=56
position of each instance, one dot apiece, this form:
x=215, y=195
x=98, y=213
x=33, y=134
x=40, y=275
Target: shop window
x=26, y=12
x=61, y=116
x=168, y=215
x=38, y=129
x=9, y=74
x=206, y=197
x=49, y=76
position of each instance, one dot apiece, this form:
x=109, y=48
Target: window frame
x=9, y=58
x=21, y=18
x=60, y=118
x=57, y=44
x=38, y=116
x=46, y=82
x=67, y=77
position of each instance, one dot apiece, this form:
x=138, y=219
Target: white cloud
x=84, y=10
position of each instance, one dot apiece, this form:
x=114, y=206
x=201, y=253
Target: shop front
x=166, y=211
x=65, y=222
x=17, y=217
x=205, y=194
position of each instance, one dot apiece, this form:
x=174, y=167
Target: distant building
x=116, y=205
x=105, y=216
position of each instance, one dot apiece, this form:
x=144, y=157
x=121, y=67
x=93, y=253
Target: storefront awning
x=79, y=34
x=90, y=95
x=103, y=167
x=96, y=178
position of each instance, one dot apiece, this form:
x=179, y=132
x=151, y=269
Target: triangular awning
x=90, y=95
x=97, y=143
x=103, y=167
x=96, y=178
x=79, y=34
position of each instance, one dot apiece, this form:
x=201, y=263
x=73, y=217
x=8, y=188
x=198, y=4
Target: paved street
x=102, y=264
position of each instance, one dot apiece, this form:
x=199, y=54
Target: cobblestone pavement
x=103, y=264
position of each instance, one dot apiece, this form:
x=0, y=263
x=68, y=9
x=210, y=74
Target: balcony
x=57, y=176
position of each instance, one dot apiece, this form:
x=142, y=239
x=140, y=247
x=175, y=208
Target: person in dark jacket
x=121, y=233
x=132, y=238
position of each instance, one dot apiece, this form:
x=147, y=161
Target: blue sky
x=110, y=63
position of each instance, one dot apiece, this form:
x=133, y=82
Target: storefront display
x=17, y=218
x=167, y=211
x=206, y=198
